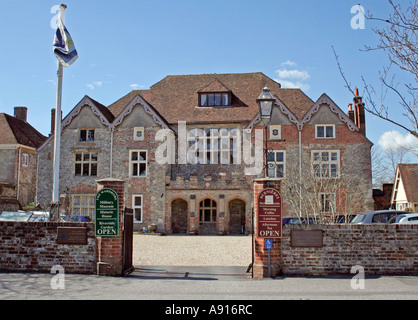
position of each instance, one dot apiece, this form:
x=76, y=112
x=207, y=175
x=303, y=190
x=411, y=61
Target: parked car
x=31, y=216
x=342, y=218
x=411, y=218
x=19, y=216
x=381, y=216
x=76, y=219
x=297, y=220
x=39, y=216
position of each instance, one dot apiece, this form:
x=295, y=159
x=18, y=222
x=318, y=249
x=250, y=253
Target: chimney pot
x=21, y=113
x=356, y=92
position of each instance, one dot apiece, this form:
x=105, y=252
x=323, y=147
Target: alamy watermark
x=58, y=280
x=357, y=282
x=359, y=20
x=212, y=146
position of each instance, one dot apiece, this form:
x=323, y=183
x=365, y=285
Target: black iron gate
x=128, y=233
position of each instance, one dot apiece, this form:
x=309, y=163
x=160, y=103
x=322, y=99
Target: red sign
x=269, y=214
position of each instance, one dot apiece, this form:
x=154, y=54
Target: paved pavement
x=200, y=283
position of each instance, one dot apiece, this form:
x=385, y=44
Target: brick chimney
x=351, y=112
x=21, y=113
x=359, y=116
x=53, y=121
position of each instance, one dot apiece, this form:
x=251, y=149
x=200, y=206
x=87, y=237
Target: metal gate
x=128, y=233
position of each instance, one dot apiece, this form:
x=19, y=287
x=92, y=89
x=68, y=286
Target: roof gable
x=215, y=86
x=13, y=130
x=409, y=177
x=138, y=100
x=106, y=117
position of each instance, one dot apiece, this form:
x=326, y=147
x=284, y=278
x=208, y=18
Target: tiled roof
x=176, y=97
x=409, y=175
x=15, y=131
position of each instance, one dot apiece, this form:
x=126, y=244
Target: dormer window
x=214, y=99
x=215, y=94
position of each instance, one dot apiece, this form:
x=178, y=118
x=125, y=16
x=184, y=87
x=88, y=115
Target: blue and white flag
x=64, y=48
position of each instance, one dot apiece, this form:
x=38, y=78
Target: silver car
x=381, y=216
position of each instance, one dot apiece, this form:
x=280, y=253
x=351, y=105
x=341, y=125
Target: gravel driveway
x=184, y=250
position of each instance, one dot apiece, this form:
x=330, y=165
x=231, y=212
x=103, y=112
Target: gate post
x=110, y=249
x=261, y=255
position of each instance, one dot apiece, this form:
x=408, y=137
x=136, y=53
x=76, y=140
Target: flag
x=64, y=48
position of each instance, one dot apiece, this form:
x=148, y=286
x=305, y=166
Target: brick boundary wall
x=33, y=247
x=380, y=249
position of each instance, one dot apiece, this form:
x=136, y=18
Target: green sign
x=107, y=213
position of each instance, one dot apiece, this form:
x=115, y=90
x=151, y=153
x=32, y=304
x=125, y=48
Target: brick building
x=204, y=186
x=18, y=158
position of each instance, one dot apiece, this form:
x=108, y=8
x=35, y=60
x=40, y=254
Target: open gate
x=128, y=233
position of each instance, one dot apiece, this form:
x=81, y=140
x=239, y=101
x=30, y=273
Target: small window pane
x=218, y=99
x=94, y=156
x=93, y=169
x=83, y=135
x=211, y=99
x=138, y=201
x=135, y=169
x=325, y=156
x=330, y=132
x=334, y=156
x=134, y=156
x=78, y=157
x=90, y=135
x=225, y=99
x=279, y=157
x=86, y=169
x=86, y=156
x=270, y=156
x=138, y=214
x=142, y=169
x=320, y=132
x=203, y=100
x=143, y=156
x=78, y=169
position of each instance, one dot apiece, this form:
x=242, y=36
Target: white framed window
x=213, y=146
x=327, y=202
x=139, y=133
x=275, y=132
x=85, y=163
x=84, y=205
x=326, y=163
x=138, y=163
x=86, y=134
x=137, y=205
x=25, y=160
x=208, y=211
x=276, y=161
x=324, y=131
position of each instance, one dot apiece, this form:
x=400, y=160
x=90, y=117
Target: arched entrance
x=179, y=211
x=208, y=213
x=236, y=217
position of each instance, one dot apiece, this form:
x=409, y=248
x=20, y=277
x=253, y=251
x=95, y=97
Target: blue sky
x=132, y=44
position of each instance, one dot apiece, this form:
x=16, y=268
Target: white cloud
x=293, y=78
x=136, y=86
x=293, y=85
x=394, y=140
x=94, y=85
x=293, y=74
x=289, y=63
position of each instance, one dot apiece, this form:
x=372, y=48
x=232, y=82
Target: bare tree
x=398, y=39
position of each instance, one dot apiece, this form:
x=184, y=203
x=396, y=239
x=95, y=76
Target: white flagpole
x=57, y=135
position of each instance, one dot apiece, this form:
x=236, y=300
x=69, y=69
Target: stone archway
x=236, y=216
x=179, y=211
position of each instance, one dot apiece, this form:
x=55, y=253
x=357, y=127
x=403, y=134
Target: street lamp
x=265, y=105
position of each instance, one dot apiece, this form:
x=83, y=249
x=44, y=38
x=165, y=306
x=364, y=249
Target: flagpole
x=57, y=135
